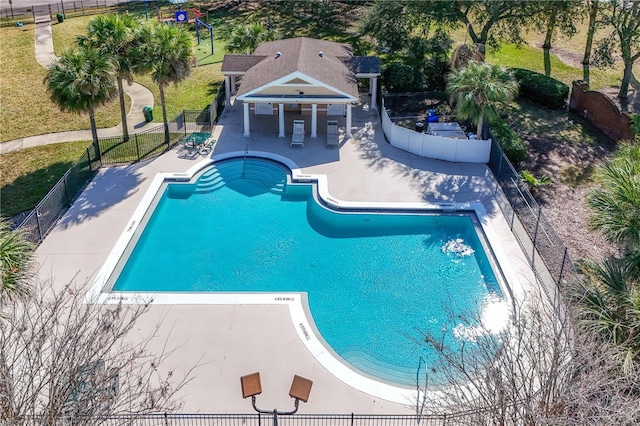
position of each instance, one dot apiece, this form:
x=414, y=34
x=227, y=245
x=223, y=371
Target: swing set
x=183, y=17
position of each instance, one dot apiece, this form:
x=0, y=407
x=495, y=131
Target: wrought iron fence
x=256, y=419
x=112, y=151
x=14, y=13
x=44, y=216
x=543, y=247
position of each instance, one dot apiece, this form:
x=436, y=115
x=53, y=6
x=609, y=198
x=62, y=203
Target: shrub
x=541, y=89
x=509, y=141
x=399, y=77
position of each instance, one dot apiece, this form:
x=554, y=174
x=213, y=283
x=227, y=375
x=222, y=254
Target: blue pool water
x=376, y=283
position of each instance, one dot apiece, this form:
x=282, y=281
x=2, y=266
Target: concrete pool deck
x=235, y=340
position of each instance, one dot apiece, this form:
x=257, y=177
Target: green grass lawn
x=25, y=106
x=33, y=173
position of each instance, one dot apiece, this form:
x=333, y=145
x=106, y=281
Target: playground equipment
x=207, y=26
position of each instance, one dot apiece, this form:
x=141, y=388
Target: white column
x=227, y=90
x=314, y=120
x=247, y=131
x=374, y=87
x=281, y=120
x=348, y=120
x=233, y=84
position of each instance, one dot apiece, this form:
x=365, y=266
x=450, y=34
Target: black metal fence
x=270, y=420
x=113, y=151
x=543, y=247
x=27, y=14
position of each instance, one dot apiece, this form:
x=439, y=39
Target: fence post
x=82, y=7
x=66, y=189
x=38, y=225
x=564, y=259
x=184, y=122
x=166, y=419
x=33, y=12
x=352, y=419
x=135, y=136
x=535, y=236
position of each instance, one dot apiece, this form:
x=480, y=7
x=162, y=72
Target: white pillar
x=348, y=120
x=314, y=120
x=227, y=90
x=374, y=87
x=233, y=84
x=281, y=120
x=247, y=131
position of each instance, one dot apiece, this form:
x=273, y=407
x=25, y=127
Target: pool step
x=368, y=364
x=272, y=178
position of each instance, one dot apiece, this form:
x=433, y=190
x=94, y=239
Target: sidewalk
x=140, y=97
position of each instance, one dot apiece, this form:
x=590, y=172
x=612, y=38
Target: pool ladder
x=420, y=406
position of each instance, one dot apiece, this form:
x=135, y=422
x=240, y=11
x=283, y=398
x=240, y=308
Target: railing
x=113, y=151
x=544, y=249
x=13, y=12
x=266, y=420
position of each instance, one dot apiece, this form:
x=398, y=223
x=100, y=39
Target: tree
x=63, y=358
x=16, y=254
x=609, y=301
x=615, y=203
x=115, y=35
x=80, y=81
x=593, y=7
x=245, y=38
x=533, y=369
x=624, y=17
x=165, y=52
x=478, y=89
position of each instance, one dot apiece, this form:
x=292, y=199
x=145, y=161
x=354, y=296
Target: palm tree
x=478, y=89
x=615, y=205
x=245, y=38
x=15, y=260
x=165, y=52
x=80, y=81
x=115, y=35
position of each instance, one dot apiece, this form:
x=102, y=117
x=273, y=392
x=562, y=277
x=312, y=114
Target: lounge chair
x=332, y=133
x=297, y=137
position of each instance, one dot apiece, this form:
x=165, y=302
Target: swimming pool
x=376, y=282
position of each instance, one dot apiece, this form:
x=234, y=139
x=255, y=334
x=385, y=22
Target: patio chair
x=207, y=146
x=332, y=133
x=297, y=137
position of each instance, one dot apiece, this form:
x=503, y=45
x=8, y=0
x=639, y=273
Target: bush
x=398, y=77
x=541, y=89
x=509, y=141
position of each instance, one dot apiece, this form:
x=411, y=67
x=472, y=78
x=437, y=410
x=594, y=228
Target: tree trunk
x=551, y=25
x=123, y=113
x=94, y=134
x=164, y=114
x=480, y=124
x=626, y=78
x=593, y=13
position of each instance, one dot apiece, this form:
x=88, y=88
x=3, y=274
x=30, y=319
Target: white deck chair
x=297, y=137
x=332, y=133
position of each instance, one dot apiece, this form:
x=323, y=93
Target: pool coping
x=296, y=302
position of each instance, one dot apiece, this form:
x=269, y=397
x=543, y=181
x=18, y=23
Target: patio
x=236, y=340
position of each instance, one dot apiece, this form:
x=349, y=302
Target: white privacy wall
x=437, y=147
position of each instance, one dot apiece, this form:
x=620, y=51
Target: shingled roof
x=328, y=62
x=240, y=63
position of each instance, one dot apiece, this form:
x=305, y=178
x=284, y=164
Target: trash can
x=60, y=17
x=419, y=126
x=148, y=114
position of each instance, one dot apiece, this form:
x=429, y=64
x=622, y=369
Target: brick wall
x=600, y=111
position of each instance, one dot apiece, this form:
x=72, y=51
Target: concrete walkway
x=140, y=97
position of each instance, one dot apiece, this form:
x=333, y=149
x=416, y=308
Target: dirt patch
x=570, y=165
